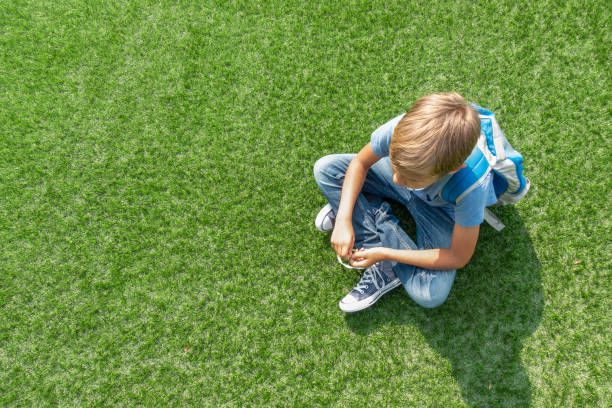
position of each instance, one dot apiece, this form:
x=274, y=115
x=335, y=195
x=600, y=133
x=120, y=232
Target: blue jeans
x=374, y=225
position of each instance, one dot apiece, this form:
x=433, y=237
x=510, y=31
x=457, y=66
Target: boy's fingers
x=360, y=252
x=343, y=250
x=357, y=262
x=347, y=250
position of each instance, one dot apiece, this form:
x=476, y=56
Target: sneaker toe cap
x=348, y=299
x=350, y=303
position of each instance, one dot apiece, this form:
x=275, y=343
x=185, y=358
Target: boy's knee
x=430, y=289
x=432, y=302
x=323, y=166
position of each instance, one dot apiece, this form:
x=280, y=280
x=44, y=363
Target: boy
x=408, y=159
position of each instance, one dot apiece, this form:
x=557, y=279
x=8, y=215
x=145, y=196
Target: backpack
x=492, y=153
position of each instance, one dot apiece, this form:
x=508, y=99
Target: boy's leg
x=374, y=226
x=428, y=288
x=329, y=174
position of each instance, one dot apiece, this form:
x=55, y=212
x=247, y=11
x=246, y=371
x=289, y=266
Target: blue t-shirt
x=469, y=212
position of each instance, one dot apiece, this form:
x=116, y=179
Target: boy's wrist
x=343, y=220
x=383, y=254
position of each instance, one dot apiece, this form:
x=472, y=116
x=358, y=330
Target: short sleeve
x=470, y=211
x=381, y=137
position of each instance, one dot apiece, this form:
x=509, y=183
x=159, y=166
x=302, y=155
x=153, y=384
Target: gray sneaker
x=377, y=280
x=325, y=219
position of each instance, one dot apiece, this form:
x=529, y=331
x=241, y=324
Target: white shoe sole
x=365, y=303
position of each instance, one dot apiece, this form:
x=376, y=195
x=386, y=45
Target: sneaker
x=377, y=280
x=325, y=219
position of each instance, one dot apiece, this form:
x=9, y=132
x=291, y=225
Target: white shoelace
x=346, y=265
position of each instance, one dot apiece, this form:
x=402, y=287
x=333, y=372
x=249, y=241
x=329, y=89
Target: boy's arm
x=457, y=256
x=343, y=236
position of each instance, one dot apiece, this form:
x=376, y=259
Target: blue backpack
x=492, y=153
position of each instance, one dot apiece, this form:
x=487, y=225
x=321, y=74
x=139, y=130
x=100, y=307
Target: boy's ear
x=458, y=168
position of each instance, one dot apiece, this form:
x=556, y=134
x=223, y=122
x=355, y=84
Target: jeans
x=374, y=225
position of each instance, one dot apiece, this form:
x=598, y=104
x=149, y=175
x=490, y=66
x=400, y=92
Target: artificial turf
x=157, y=204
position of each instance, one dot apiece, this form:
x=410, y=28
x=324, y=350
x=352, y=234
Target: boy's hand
x=364, y=258
x=342, y=239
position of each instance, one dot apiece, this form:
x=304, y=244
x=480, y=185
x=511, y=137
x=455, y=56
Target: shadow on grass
x=494, y=305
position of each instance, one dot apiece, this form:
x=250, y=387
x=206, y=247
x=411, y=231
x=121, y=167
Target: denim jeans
x=374, y=225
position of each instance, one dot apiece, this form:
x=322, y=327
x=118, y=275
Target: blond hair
x=436, y=136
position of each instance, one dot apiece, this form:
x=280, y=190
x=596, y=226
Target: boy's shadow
x=494, y=305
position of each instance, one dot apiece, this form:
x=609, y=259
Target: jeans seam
x=426, y=242
x=366, y=219
x=399, y=236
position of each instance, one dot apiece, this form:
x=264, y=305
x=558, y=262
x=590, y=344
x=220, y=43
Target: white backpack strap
x=492, y=220
x=498, y=140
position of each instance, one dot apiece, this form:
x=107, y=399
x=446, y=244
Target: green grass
x=157, y=199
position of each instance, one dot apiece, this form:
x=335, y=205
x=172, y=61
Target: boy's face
x=413, y=180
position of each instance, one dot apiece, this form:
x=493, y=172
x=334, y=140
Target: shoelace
x=347, y=265
x=368, y=278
